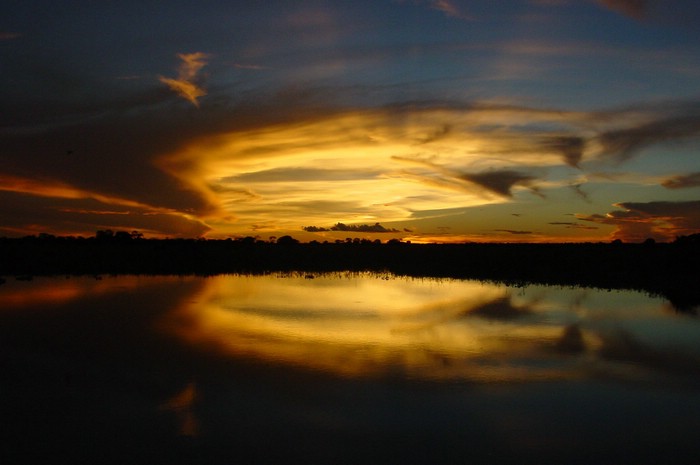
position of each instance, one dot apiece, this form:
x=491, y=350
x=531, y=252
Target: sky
x=421, y=120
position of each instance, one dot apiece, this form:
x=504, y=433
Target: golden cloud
x=185, y=84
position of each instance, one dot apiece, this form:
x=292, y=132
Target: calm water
x=344, y=368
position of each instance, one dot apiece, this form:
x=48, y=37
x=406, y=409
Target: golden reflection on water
x=39, y=292
x=182, y=406
x=375, y=325
x=369, y=325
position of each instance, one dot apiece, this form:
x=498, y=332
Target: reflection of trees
x=667, y=269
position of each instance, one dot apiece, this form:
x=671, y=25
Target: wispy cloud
x=572, y=225
x=626, y=142
x=449, y=8
x=636, y=9
x=357, y=228
x=571, y=148
x=515, y=232
x=682, y=181
x=186, y=84
x=578, y=190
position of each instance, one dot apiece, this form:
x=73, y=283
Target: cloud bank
x=356, y=228
x=659, y=220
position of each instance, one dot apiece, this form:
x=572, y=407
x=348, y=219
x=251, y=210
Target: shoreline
x=669, y=270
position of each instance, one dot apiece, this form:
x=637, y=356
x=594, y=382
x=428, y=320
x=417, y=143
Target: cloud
x=571, y=148
x=635, y=9
x=571, y=225
x=294, y=174
x=580, y=192
x=449, y=8
x=185, y=85
x=364, y=228
x=514, y=231
x=625, y=143
x=300, y=156
x=571, y=340
x=501, y=308
x=660, y=220
x=682, y=181
x=623, y=345
x=498, y=182
x=25, y=214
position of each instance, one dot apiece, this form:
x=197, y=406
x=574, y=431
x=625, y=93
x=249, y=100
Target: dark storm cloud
x=682, y=181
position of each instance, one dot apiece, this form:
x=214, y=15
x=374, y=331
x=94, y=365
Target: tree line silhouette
x=667, y=269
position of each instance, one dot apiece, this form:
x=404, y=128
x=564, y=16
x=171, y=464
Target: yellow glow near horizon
x=354, y=167
x=357, y=325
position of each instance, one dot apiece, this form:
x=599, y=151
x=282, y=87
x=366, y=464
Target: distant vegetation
x=667, y=269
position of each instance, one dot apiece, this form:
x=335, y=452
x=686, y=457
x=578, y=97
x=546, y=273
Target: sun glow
x=358, y=325
x=353, y=167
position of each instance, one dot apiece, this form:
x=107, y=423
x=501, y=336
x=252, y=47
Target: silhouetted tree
x=287, y=240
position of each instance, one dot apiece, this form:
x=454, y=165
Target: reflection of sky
x=357, y=325
x=382, y=325
x=275, y=369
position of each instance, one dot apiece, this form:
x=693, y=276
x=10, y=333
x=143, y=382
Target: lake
x=342, y=368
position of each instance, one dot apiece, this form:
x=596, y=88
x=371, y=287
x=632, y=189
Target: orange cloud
x=659, y=220
x=185, y=84
x=30, y=206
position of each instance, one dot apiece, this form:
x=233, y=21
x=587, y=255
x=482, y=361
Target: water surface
x=343, y=368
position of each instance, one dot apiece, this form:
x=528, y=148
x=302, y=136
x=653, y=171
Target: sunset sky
x=423, y=120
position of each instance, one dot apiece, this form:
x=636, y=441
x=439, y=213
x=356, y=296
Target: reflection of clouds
x=364, y=325
x=360, y=325
x=645, y=359
x=15, y=295
x=500, y=309
x=571, y=340
x=182, y=406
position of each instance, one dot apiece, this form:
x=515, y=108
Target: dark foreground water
x=344, y=368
